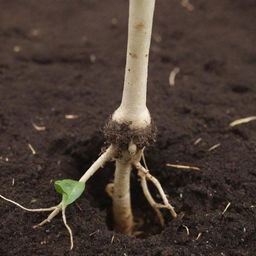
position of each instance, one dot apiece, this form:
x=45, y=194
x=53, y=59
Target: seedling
x=128, y=132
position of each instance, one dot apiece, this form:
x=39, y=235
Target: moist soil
x=61, y=69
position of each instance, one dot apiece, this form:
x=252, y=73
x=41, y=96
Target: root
x=28, y=209
x=145, y=175
x=144, y=159
x=147, y=193
x=68, y=228
x=110, y=189
x=99, y=163
x=150, y=199
x=50, y=217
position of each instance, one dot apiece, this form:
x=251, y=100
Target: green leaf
x=70, y=190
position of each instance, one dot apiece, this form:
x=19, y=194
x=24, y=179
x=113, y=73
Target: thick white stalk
x=122, y=212
x=133, y=106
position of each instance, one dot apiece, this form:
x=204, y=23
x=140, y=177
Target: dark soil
x=48, y=70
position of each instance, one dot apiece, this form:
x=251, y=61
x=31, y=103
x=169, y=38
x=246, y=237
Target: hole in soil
x=165, y=59
x=214, y=66
x=83, y=155
x=141, y=209
x=241, y=89
x=79, y=155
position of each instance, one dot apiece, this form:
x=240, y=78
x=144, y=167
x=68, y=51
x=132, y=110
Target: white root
x=105, y=157
x=29, y=209
x=50, y=217
x=147, y=193
x=144, y=159
x=157, y=184
x=55, y=210
x=68, y=228
x=150, y=199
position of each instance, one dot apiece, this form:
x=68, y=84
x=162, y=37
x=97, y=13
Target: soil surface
x=61, y=69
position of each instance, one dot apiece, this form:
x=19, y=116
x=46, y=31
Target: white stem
x=122, y=212
x=133, y=106
x=106, y=156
